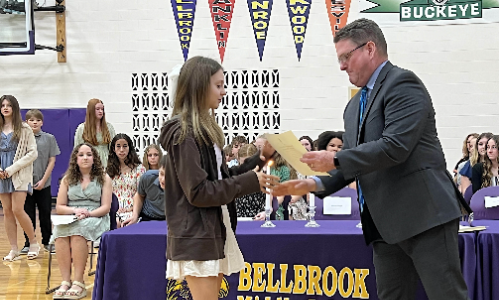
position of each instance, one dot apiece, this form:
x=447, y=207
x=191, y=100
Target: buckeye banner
x=429, y=12
x=183, y=11
x=298, y=11
x=260, y=19
x=337, y=11
x=221, y=15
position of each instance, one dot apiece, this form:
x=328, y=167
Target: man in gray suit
x=409, y=205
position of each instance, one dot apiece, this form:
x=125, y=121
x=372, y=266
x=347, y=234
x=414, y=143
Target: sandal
x=60, y=293
x=76, y=294
x=32, y=254
x=13, y=256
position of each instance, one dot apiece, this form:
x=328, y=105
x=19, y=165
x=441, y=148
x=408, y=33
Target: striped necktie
x=362, y=104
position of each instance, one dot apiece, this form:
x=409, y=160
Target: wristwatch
x=337, y=163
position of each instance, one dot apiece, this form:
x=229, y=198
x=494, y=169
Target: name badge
x=337, y=206
x=491, y=201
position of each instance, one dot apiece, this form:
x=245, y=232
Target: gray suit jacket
x=397, y=158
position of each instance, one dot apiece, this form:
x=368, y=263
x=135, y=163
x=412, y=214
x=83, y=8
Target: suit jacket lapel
x=372, y=96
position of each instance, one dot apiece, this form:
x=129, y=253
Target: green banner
x=394, y=6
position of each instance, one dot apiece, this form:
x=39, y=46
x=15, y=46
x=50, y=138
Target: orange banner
x=337, y=11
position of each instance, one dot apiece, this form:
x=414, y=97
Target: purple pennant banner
x=299, y=11
x=260, y=19
x=184, y=11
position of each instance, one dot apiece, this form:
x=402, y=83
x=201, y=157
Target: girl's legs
x=9, y=220
x=18, y=199
x=63, y=253
x=79, y=254
x=204, y=288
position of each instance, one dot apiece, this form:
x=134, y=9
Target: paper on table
x=491, y=201
x=63, y=219
x=471, y=229
x=292, y=150
x=337, y=206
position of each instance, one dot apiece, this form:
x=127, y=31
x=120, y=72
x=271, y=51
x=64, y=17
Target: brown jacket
x=194, y=196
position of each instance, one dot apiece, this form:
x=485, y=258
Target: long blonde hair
x=17, y=121
x=466, y=153
x=190, y=102
x=90, y=130
x=475, y=157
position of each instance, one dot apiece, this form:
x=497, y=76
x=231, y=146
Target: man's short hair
x=239, y=140
x=34, y=113
x=362, y=31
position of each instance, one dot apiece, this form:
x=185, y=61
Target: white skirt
x=232, y=263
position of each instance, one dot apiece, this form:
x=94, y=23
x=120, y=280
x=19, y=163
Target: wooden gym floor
x=27, y=279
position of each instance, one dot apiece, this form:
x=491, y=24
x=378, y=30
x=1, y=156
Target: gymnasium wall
x=122, y=51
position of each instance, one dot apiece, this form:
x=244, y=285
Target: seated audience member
x=149, y=201
x=237, y=143
x=152, y=156
x=478, y=156
x=463, y=181
x=485, y=174
x=85, y=191
x=467, y=144
x=307, y=142
x=125, y=170
x=228, y=154
x=331, y=141
x=249, y=205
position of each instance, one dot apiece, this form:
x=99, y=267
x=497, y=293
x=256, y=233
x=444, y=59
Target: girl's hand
x=266, y=181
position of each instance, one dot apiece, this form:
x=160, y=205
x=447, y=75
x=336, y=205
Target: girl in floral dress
x=125, y=169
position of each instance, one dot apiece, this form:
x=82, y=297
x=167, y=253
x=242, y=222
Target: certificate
x=292, y=150
x=63, y=219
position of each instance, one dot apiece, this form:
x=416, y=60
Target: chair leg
x=90, y=272
x=50, y=290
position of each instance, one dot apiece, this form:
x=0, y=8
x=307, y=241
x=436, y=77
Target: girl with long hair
x=18, y=151
x=485, y=173
x=200, y=211
x=152, y=157
x=85, y=192
x=125, y=169
x=477, y=156
x=466, y=150
x=95, y=130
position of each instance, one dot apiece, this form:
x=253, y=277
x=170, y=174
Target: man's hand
x=319, y=161
x=132, y=220
x=294, y=187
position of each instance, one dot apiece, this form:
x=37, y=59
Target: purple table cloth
x=487, y=260
x=289, y=261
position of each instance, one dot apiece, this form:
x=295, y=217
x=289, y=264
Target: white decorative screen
x=250, y=108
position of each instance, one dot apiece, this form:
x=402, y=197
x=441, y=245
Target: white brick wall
x=110, y=40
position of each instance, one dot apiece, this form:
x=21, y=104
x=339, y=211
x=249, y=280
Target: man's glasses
x=345, y=57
